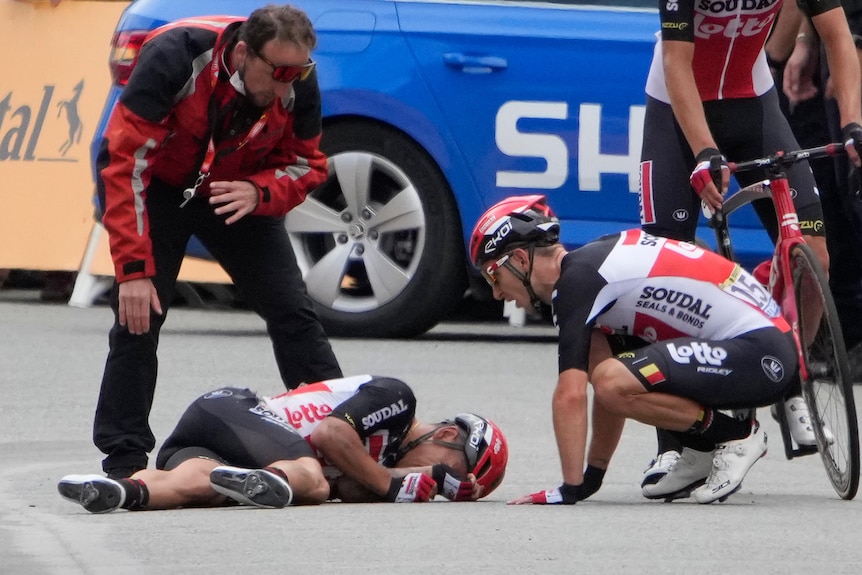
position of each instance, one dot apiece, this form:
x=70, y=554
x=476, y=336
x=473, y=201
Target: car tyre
x=379, y=243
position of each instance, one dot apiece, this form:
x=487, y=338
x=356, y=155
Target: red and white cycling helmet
x=514, y=222
x=486, y=449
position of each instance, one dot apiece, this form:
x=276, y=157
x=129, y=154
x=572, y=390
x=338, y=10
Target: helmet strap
x=427, y=437
x=525, y=279
x=402, y=451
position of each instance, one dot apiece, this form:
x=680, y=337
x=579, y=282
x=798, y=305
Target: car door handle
x=475, y=64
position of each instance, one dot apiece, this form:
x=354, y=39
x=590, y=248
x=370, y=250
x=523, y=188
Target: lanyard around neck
x=210, y=155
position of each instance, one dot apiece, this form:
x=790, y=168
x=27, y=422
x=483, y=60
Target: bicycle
x=796, y=277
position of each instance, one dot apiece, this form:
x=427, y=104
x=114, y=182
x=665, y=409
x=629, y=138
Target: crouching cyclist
x=666, y=332
x=355, y=439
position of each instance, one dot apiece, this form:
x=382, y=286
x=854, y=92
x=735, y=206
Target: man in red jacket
x=215, y=135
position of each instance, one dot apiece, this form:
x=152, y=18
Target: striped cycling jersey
x=656, y=289
x=380, y=410
x=728, y=36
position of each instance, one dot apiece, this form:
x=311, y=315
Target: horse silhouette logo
x=76, y=128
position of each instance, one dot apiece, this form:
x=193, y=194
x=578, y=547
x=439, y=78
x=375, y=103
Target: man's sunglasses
x=489, y=272
x=286, y=74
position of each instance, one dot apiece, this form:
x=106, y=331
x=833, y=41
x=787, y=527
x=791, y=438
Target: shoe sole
x=93, y=496
x=251, y=487
x=724, y=497
x=683, y=493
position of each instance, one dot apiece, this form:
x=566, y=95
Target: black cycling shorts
x=744, y=129
x=751, y=370
x=232, y=426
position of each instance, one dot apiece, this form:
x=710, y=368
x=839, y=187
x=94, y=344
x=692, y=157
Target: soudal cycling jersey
x=238, y=427
x=656, y=289
x=728, y=37
x=380, y=410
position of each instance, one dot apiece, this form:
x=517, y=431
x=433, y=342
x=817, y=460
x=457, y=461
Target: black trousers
x=257, y=254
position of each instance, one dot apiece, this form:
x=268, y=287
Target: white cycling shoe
x=799, y=422
x=730, y=464
x=658, y=467
x=687, y=472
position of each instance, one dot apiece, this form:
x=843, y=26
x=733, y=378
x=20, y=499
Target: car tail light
x=124, y=54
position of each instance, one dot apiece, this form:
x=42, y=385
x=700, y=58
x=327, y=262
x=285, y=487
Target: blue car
x=433, y=111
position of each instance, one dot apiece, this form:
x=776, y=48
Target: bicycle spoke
x=827, y=390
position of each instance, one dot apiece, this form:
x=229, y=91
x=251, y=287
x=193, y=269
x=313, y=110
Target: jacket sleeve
x=297, y=166
x=134, y=133
x=131, y=144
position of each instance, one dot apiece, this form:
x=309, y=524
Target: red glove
x=700, y=177
x=449, y=485
x=709, y=180
x=412, y=488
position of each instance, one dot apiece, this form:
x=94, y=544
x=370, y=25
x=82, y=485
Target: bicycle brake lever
x=711, y=216
x=714, y=219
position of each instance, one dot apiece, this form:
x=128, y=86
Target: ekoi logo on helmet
x=499, y=236
x=486, y=449
x=477, y=434
x=515, y=221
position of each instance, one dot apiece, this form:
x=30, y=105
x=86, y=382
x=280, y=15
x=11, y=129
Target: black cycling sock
x=137, y=494
x=693, y=441
x=717, y=427
x=703, y=421
x=667, y=441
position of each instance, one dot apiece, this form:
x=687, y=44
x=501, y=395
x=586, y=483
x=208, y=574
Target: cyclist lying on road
x=666, y=332
x=355, y=439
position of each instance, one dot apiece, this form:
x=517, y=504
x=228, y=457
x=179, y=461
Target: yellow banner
x=54, y=80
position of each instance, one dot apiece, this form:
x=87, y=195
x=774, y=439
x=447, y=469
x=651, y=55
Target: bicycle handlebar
x=773, y=162
x=780, y=159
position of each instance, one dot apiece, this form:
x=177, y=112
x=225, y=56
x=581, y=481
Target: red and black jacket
x=161, y=126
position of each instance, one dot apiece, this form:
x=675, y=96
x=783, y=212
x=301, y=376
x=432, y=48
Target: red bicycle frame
x=790, y=234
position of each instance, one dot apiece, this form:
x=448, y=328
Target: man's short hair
x=284, y=23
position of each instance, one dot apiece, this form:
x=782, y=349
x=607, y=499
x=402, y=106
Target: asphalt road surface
x=786, y=519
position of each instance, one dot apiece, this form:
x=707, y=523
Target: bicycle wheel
x=828, y=390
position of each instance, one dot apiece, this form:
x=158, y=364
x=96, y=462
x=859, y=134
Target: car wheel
x=379, y=243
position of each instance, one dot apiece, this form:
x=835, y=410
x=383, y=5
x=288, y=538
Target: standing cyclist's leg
x=668, y=205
